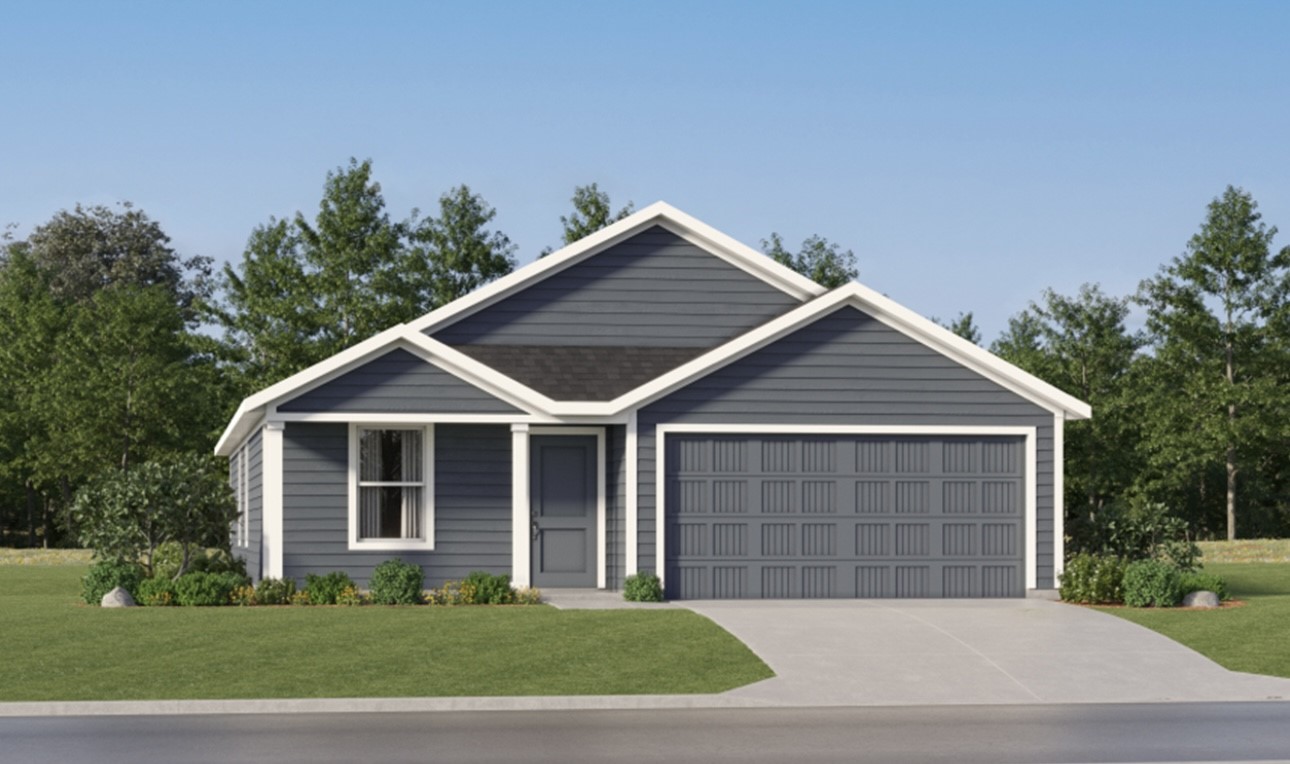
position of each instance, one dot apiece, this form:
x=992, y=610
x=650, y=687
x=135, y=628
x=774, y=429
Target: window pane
x=389, y=456
x=381, y=512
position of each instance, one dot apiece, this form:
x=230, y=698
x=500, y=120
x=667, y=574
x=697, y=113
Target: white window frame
x=427, y=484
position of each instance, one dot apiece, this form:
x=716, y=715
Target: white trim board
x=1028, y=434
x=353, y=543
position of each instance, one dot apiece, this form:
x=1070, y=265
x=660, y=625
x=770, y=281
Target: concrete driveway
x=897, y=652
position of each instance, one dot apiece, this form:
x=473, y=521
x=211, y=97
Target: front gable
x=653, y=289
x=397, y=382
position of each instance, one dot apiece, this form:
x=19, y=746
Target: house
x=659, y=397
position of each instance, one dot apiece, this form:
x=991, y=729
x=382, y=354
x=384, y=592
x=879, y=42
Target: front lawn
x=1254, y=638
x=59, y=649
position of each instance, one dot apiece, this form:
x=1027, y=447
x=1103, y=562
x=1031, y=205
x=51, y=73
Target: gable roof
x=659, y=214
x=486, y=372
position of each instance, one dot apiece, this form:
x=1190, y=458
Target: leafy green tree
x=964, y=326
x=1217, y=318
x=455, y=253
x=89, y=248
x=127, y=515
x=306, y=290
x=592, y=211
x=820, y=260
x=1081, y=344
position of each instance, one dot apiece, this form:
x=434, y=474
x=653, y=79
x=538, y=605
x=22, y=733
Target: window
x=391, y=496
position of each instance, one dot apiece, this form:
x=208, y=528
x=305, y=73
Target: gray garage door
x=847, y=516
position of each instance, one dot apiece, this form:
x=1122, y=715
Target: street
x=1013, y=733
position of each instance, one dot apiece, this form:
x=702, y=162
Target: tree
x=592, y=211
x=1081, y=345
x=1217, y=317
x=819, y=260
x=128, y=515
x=964, y=326
x=90, y=248
x=455, y=253
x=306, y=290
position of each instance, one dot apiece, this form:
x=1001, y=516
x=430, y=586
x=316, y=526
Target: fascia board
x=658, y=213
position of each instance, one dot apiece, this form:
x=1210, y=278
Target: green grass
x=1245, y=550
x=57, y=648
x=1254, y=638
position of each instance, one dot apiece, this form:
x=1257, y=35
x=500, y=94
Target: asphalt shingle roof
x=580, y=373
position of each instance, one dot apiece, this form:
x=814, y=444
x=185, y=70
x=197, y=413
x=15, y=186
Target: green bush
x=643, y=587
x=1200, y=581
x=243, y=596
x=1152, y=583
x=157, y=592
x=1093, y=579
x=395, y=582
x=275, y=591
x=1136, y=530
x=201, y=589
x=106, y=575
x=528, y=596
x=326, y=589
x=487, y=589
x=168, y=558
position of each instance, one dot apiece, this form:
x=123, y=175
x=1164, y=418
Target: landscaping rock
x=1201, y=599
x=118, y=597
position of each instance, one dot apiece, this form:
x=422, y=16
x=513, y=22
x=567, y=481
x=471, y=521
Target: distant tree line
x=116, y=350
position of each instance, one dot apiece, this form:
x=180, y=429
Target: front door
x=562, y=494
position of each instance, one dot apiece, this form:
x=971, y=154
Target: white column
x=632, y=492
x=1032, y=532
x=521, y=544
x=1059, y=496
x=271, y=544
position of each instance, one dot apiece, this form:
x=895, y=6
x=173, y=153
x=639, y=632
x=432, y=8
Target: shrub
x=169, y=558
x=350, y=595
x=1137, y=530
x=324, y=590
x=243, y=596
x=202, y=589
x=487, y=589
x=106, y=575
x=395, y=582
x=528, y=596
x=1093, y=579
x=275, y=591
x=1200, y=581
x=299, y=598
x=157, y=592
x=1152, y=583
x=643, y=587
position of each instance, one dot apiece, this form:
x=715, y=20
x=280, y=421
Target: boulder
x=1201, y=599
x=118, y=597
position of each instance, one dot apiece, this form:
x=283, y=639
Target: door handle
x=536, y=529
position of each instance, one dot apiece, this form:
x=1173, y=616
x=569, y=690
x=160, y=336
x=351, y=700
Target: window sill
x=391, y=545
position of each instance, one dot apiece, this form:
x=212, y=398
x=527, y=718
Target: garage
x=785, y=515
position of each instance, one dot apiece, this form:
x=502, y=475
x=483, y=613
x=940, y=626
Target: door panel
x=563, y=507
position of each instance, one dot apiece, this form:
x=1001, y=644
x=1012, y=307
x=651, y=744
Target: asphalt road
x=963, y=734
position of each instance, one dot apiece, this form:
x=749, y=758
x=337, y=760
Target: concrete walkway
x=901, y=652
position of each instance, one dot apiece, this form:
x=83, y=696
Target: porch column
x=271, y=541
x=521, y=545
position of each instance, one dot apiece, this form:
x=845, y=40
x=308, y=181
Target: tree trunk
x=1231, y=427
x=31, y=516
x=1231, y=493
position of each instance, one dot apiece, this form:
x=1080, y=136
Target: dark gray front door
x=563, y=503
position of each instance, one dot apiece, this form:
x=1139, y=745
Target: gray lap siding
x=654, y=289
x=848, y=369
x=472, y=490
x=250, y=553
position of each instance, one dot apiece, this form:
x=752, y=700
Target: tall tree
x=1216, y=315
x=818, y=259
x=1081, y=344
x=306, y=290
x=964, y=326
x=592, y=211
x=455, y=253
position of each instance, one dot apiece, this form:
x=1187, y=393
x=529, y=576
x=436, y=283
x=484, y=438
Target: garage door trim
x=1027, y=433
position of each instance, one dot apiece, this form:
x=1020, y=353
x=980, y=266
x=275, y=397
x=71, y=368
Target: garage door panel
x=844, y=517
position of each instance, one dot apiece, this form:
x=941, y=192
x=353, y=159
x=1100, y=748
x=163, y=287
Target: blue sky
x=970, y=154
